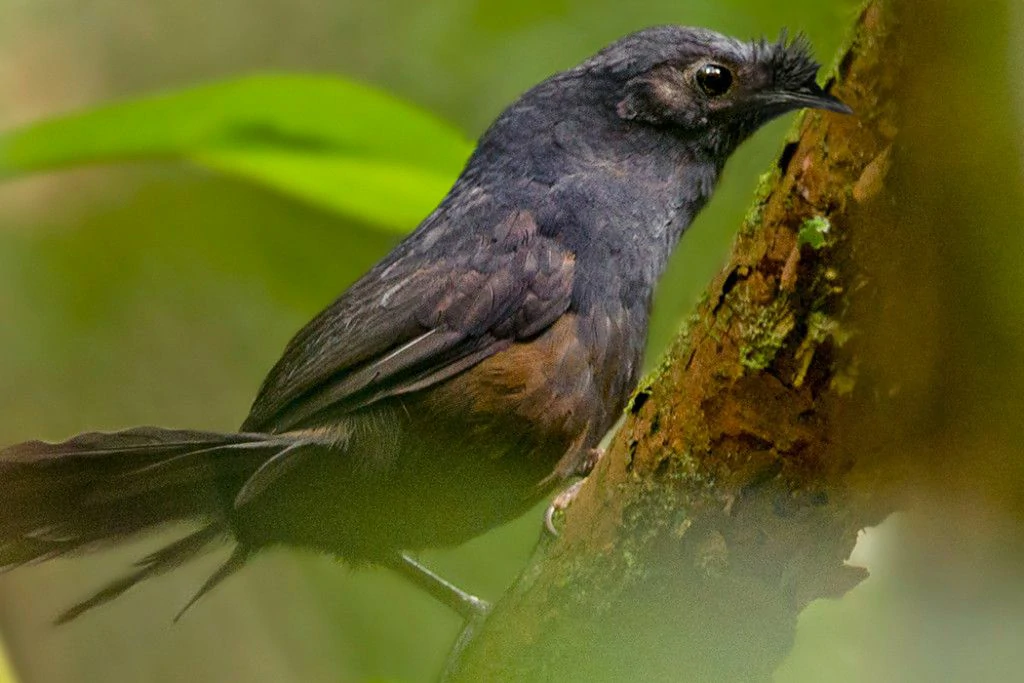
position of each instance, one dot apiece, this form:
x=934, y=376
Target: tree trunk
x=784, y=419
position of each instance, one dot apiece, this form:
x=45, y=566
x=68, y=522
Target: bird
x=469, y=374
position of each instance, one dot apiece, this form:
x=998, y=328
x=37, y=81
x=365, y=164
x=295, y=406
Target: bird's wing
x=413, y=321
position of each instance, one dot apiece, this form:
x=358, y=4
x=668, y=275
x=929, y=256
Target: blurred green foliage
x=328, y=141
x=160, y=293
x=6, y=674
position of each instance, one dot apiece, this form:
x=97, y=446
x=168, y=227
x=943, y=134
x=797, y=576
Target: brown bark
x=732, y=495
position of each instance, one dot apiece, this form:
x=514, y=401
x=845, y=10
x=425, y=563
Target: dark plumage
x=474, y=368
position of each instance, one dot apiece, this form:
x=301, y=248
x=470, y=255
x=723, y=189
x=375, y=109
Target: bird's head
x=703, y=86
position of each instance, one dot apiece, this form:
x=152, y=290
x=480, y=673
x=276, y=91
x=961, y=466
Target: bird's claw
x=564, y=499
x=561, y=502
x=588, y=463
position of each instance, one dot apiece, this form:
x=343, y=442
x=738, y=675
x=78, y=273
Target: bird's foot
x=470, y=630
x=468, y=606
x=560, y=503
x=564, y=499
x=588, y=463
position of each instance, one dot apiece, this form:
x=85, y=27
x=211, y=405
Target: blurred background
x=159, y=293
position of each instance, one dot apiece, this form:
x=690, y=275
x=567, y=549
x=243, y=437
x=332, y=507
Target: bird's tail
x=100, y=488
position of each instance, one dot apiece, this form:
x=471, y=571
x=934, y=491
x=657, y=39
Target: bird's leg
x=468, y=606
x=564, y=499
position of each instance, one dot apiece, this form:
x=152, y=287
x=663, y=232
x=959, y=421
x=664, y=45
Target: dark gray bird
x=471, y=371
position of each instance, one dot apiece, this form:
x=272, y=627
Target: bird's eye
x=714, y=80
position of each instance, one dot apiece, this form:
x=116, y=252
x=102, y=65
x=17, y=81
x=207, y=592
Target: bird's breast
x=541, y=398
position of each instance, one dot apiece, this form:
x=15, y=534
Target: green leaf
x=337, y=144
x=391, y=195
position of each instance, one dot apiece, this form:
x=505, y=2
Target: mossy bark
x=730, y=498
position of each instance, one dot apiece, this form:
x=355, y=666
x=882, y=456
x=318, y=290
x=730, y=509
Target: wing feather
x=432, y=310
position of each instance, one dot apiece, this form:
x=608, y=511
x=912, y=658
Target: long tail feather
x=270, y=471
x=233, y=564
x=163, y=560
x=100, y=488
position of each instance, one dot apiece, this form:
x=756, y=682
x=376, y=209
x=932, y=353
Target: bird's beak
x=812, y=97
